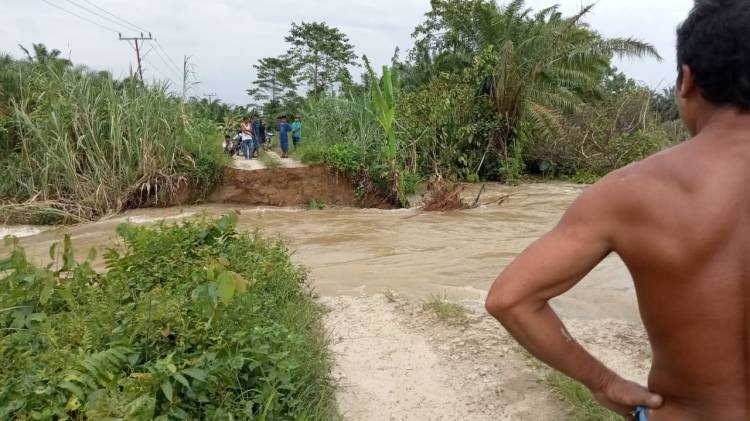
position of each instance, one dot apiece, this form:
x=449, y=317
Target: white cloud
x=226, y=37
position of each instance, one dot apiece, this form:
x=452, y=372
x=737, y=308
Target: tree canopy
x=321, y=54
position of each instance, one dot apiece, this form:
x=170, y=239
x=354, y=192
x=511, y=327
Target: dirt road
x=397, y=361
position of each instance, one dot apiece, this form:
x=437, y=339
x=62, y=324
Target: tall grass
x=77, y=145
x=341, y=132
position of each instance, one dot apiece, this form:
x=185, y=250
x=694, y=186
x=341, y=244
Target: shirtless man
x=680, y=220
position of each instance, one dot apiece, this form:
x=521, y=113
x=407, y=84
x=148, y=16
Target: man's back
x=684, y=233
x=681, y=222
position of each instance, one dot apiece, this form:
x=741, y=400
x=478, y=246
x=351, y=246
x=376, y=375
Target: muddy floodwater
x=361, y=251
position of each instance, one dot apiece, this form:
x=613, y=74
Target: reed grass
x=77, y=145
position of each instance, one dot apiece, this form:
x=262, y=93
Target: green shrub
x=312, y=153
x=317, y=205
x=191, y=321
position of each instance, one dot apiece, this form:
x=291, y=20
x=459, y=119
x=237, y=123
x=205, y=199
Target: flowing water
x=354, y=251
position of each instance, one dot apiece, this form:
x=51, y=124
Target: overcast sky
x=226, y=37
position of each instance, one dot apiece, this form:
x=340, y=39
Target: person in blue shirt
x=297, y=130
x=262, y=135
x=256, y=136
x=284, y=129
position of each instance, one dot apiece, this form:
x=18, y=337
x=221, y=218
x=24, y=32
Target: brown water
x=353, y=251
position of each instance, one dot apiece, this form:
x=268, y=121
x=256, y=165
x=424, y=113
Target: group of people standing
x=252, y=136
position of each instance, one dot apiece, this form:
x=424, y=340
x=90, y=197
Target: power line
x=148, y=52
x=95, y=13
x=80, y=17
x=132, y=25
x=169, y=79
x=158, y=44
x=163, y=60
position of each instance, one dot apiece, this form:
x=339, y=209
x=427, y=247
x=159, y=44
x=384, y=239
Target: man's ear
x=688, y=87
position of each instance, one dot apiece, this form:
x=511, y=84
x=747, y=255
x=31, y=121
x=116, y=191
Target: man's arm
x=519, y=298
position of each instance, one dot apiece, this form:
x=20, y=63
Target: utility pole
x=138, y=49
x=211, y=96
x=188, y=73
x=185, y=76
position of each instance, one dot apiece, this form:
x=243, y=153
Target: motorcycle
x=268, y=144
x=233, y=146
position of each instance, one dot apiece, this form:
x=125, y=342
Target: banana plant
x=384, y=108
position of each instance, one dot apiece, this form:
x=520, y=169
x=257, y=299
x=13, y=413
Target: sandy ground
x=396, y=361
x=285, y=162
x=241, y=163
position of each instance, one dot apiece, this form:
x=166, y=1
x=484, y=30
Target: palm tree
x=43, y=56
x=535, y=68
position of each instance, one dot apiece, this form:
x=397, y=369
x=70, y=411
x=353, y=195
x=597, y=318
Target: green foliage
x=665, y=104
x=384, y=108
x=274, y=83
x=317, y=204
x=322, y=54
x=534, y=69
x=490, y=92
x=192, y=321
x=344, y=134
x=225, y=117
x=604, y=135
x=76, y=145
x=42, y=55
x=448, y=132
x=582, y=405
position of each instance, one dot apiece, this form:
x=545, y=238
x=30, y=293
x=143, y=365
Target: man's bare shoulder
x=639, y=184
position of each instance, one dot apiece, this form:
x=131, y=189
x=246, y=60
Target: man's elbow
x=502, y=304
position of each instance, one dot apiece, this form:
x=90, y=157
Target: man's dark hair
x=714, y=42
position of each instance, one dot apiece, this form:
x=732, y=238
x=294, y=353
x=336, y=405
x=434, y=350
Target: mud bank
x=289, y=187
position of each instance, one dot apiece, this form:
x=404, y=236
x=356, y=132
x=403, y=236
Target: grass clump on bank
x=191, y=321
x=583, y=407
x=446, y=310
x=76, y=144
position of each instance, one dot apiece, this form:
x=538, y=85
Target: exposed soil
x=394, y=361
x=284, y=187
x=249, y=182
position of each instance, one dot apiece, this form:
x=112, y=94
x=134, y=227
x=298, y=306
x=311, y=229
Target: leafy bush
x=192, y=321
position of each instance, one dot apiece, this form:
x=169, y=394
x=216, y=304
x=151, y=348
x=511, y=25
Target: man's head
x=246, y=119
x=297, y=117
x=227, y=137
x=713, y=55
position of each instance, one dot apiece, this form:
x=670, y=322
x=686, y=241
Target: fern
x=95, y=371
